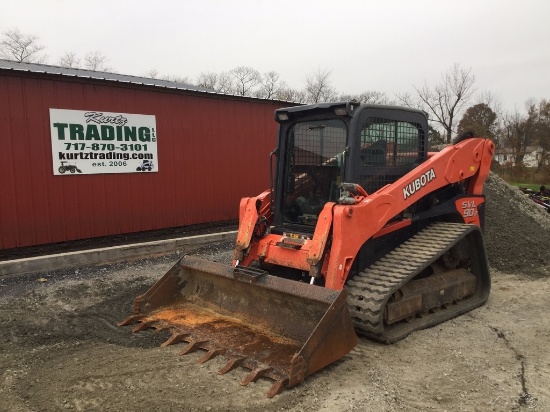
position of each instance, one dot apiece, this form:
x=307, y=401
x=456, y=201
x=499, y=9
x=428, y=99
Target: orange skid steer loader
x=362, y=230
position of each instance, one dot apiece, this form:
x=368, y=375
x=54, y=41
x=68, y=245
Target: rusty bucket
x=279, y=329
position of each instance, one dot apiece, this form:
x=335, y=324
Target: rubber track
x=369, y=291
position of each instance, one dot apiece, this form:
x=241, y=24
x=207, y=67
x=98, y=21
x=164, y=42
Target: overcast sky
x=382, y=45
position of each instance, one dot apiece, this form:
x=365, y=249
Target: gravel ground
x=61, y=349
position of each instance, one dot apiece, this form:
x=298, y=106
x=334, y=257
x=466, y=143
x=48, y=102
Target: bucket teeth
x=255, y=375
x=175, y=338
x=160, y=328
x=231, y=364
x=192, y=346
x=277, y=388
x=131, y=319
x=212, y=353
x=235, y=360
x=143, y=325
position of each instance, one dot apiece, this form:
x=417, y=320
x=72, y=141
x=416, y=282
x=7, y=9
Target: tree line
x=453, y=104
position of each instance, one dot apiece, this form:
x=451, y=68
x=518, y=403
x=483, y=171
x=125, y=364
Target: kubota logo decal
x=418, y=183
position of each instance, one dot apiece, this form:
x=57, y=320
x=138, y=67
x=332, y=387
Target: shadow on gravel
x=35, y=322
x=99, y=322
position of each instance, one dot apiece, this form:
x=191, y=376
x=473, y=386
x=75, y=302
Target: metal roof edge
x=122, y=78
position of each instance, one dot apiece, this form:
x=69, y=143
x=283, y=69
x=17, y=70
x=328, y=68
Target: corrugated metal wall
x=212, y=151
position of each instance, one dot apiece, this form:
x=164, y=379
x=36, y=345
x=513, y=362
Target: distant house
x=531, y=158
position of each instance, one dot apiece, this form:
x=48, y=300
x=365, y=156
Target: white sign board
x=91, y=142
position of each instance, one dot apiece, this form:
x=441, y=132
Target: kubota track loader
x=362, y=229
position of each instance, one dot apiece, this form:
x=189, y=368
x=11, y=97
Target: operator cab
x=323, y=145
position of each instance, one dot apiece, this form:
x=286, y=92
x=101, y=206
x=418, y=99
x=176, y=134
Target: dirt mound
x=517, y=231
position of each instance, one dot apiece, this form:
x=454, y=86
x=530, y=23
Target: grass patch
x=520, y=175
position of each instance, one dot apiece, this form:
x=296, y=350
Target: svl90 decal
x=469, y=208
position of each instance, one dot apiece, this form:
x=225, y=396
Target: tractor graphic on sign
x=146, y=165
x=68, y=168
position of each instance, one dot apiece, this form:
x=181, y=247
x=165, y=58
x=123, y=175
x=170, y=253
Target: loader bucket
x=279, y=329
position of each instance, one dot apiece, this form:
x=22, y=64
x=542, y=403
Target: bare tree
x=208, y=80
x=176, y=78
x=446, y=99
x=544, y=132
x=372, y=97
x=225, y=83
x=222, y=82
x=291, y=95
x=318, y=88
x=69, y=59
x=96, y=61
x=406, y=99
x=244, y=80
x=270, y=85
x=521, y=131
x=492, y=100
x=151, y=74
x=21, y=47
x=154, y=74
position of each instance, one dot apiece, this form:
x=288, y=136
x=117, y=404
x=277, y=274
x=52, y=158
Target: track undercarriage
x=436, y=275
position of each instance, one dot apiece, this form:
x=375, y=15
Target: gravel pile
x=517, y=231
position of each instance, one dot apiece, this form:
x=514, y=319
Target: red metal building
x=212, y=150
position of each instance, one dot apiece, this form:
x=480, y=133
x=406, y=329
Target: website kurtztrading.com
x=105, y=156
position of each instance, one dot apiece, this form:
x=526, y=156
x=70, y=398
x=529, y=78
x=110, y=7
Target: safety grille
x=318, y=143
x=313, y=169
x=389, y=150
